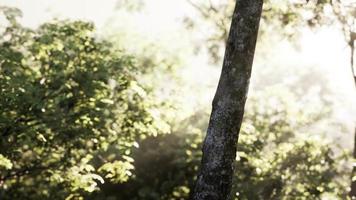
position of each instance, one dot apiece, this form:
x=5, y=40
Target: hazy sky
x=324, y=50
x=38, y=11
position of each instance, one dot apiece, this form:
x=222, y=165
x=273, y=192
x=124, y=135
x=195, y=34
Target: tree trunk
x=353, y=182
x=219, y=149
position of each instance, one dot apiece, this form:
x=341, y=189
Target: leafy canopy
x=71, y=109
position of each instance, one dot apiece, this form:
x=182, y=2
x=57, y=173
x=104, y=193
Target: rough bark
x=219, y=149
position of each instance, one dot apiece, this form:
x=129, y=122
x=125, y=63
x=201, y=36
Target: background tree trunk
x=352, y=49
x=219, y=149
x=353, y=182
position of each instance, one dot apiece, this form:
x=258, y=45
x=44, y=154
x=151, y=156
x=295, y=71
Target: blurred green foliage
x=276, y=158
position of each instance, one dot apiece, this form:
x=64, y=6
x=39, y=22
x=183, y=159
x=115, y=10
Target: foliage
x=285, y=16
x=132, y=5
x=71, y=109
x=77, y=124
x=276, y=158
x=164, y=169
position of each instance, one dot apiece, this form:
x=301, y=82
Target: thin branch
x=202, y=11
x=352, y=47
